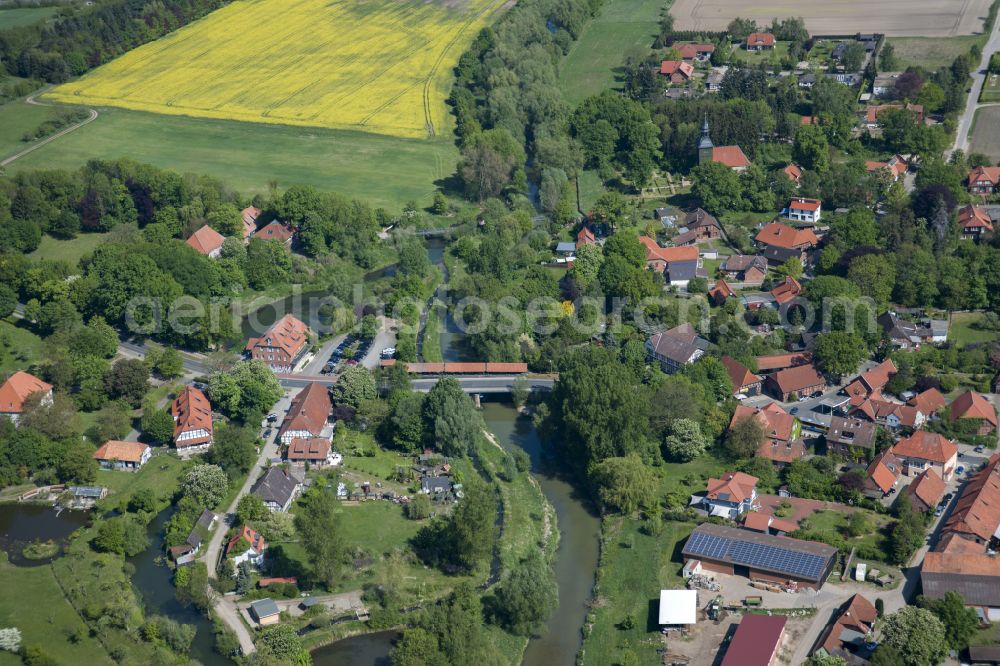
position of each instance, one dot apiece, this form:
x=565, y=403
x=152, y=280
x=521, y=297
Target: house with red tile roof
x=976, y=576
x=720, y=292
x=758, y=521
x=658, y=258
x=743, y=380
x=850, y=633
x=984, y=180
x=926, y=490
x=115, y=454
x=192, y=412
x=17, y=389
x=781, y=432
x=247, y=545
x=732, y=156
x=308, y=415
x=732, y=494
x=677, y=71
x=314, y=450
x=773, y=362
x=282, y=345
x=700, y=52
x=973, y=406
x=882, y=474
x=206, y=241
x=873, y=112
x=974, y=222
x=802, y=209
x=757, y=640
x=759, y=41
x=249, y=216
x=928, y=402
x=585, y=237
x=276, y=231
x=871, y=381
x=927, y=450
x=786, y=290
x=975, y=517
x=780, y=242
x=802, y=380
x=794, y=173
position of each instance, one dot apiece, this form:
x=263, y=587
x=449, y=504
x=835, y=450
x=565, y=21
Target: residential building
x=799, y=381
x=787, y=290
x=760, y=41
x=744, y=381
x=17, y=389
x=720, y=292
x=892, y=415
x=206, y=241
x=202, y=530
x=703, y=225
x=974, y=407
x=871, y=381
x=803, y=210
x=926, y=490
x=757, y=640
x=782, y=443
x=884, y=84
x=731, y=156
x=928, y=402
x=778, y=559
x=316, y=451
x=768, y=524
x=659, y=258
x=850, y=438
x=277, y=488
x=115, y=454
x=807, y=80
x=250, y=215
x=276, y=231
x=282, y=345
x=699, y=52
x=780, y=242
x=308, y=415
x=193, y=429
x=976, y=576
x=748, y=269
x=975, y=518
x=974, y=222
x=905, y=334
x=895, y=167
x=566, y=248
x=435, y=485
x=677, y=71
x=794, y=173
x=585, y=237
x=775, y=362
x=850, y=634
x=713, y=82
x=676, y=347
x=731, y=495
x=873, y=112
x=927, y=450
x=265, y=612
x=247, y=545
x=984, y=180
x=882, y=474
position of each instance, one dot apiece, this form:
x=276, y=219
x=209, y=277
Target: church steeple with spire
x=705, y=144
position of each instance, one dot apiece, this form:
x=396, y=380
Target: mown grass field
x=381, y=66
x=383, y=170
x=963, y=331
x=932, y=53
x=68, y=250
x=596, y=59
x=19, y=347
x=19, y=16
x=16, y=118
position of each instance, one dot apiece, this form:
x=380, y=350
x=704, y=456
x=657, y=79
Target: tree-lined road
x=972, y=103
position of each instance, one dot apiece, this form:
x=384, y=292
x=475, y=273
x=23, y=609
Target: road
x=30, y=99
x=470, y=384
x=972, y=103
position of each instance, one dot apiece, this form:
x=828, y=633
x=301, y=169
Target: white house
x=247, y=545
x=735, y=493
x=803, y=210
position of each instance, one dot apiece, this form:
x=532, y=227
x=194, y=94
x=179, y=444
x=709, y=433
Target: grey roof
x=851, y=432
x=699, y=217
x=780, y=254
x=566, y=246
x=264, y=608
x=276, y=486
x=675, y=349
x=977, y=590
x=432, y=482
x=984, y=653
x=309, y=602
x=682, y=270
x=206, y=519
x=86, y=491
x=740, y=263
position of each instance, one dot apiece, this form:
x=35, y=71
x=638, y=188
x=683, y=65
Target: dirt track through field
x=896, y=18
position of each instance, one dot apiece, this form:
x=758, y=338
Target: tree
x=248, y=388
x=875, y=276
x=168, y=363
x=142, y=501
x=960, y=622
x=281, y=641
x=811, y=149
x=157, y=425
x=450, y=419
x=625, y=484
x=417, y=647
x=78, y=464
x=121, y=535
x=268, y=262
x=471, y=528
x=717, y=187
x=206, y=484
x=354, y=387
x=825, y=660
x=127, y=380
x=744, y=438
x=418, y=508
x=8, y=301
x=886, y=655
x=55, y=418
x=191, y=585
x=685, y=441
x=587, y=264
x=887, y=57
x=527, y=596
x=489, y=159
x=406, y=422
x=234, y=448
x=854, y=57
x=917, y=634
x=251, y=509
x=839, y=352
x=859, y=524
x=318, y=525
x=112, y=422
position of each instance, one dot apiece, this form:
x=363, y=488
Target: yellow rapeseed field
x=383, y=66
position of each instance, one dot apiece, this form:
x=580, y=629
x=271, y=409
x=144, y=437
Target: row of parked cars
x=354, y=357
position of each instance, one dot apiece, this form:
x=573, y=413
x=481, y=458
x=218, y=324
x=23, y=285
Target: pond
x=363, y=650
x=23, y=524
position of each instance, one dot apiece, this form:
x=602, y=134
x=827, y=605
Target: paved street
x=978, y=80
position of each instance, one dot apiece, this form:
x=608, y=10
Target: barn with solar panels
x=760, y=556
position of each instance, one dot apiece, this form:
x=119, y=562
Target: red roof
x=275, y=231
x=779, y=361
x=16, y=390
x=987, y=173
x=777, y=423
x=872, y=380
x=585, y=237
x=784, y=236
x=977, y=512
x=191, y=411
x=314, y=448
x=732, y=487
x=928, y=402
x=760, y=39
x=124, y=451
x=250, y=215
x=670, y=67
x=926, y=446
x=884, y=470
x=206, y=240
x=789, y=289
x=858, y=616
x=805, y=204
x=309, y=411
x=739, y=374
x=791, y=380
x=928, y=487
x=731, y=156
x=690, y=51
x=872, y=112
x=654, y=252
x=757, y=521
x=256, y=541
x=288, y=333
x=794, y=172
x=974, y=217
x=972, y=405
x=721, y=291
x=756, y=641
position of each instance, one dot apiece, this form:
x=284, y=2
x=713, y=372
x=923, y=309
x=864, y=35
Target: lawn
x=33, y=602
x=590, y=187
x=19, y=347
x=595, y=61
x=160, y=474
x=68, y=250
x=962, y=332
x=932, y=53
x=385, y=171
x=991, y=89
x=690, y=477
x=836, y=522
x=775, y=55
x=16, y=118
x=634, y=568
x=431, y=349
x=20, y=16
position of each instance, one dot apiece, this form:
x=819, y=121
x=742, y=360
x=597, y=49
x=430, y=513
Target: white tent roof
x=678, y=606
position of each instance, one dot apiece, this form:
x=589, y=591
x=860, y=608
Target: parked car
x=979, y=449
x=959, y=470
x=947, y=498
x=939, y=510
x=272, y=417
x=388, y=352
x=793, y=410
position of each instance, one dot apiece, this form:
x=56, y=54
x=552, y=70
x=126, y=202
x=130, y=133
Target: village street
x=965, y=121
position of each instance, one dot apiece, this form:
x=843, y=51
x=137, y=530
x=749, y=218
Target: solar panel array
x=757, y=555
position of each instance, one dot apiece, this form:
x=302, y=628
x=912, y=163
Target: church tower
x=705, y=144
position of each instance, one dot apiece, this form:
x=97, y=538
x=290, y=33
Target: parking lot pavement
x=386, y=337
x=316, y=365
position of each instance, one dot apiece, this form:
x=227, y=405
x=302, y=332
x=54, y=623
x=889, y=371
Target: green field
x=68, y=250
x=991, y=89
x=16, y=118
x=160, y=475
x=19, y=347
x=775, y=55
x=386, y=171
x=596, y=59
x=33, y=602
x=962, y=332
x=932, y=53
x=18, y=16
